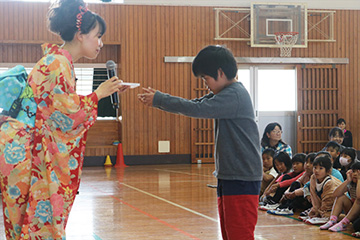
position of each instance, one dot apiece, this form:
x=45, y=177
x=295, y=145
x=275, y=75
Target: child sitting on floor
x=347, y=158
x=322, y=186
x=269, y=172
x=283, y=165
x=294, y=196
x=351, y=206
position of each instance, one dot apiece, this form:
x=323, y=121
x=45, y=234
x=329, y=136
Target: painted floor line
x=274, y=226
x=185, y=173
x=147, y=214
x=172, y=203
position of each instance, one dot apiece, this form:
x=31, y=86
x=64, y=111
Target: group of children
x=311, y=184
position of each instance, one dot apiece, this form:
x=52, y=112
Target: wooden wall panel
x=143, y=35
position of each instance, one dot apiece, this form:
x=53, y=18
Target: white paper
x=132, y=85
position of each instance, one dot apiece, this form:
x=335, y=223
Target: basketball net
x=286, y=40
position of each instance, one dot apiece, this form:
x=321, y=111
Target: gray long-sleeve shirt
x=237, y=143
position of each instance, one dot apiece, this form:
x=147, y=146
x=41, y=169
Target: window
x=89, y=77
x=244, y=78
x=276, y=90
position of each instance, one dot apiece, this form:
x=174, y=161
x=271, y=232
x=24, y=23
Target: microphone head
x=110, y=64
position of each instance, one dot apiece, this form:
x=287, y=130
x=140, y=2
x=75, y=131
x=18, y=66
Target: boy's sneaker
x=317, y=221
x=269, y=207
x=304, y=218
x=305, y=213
x=284, y=212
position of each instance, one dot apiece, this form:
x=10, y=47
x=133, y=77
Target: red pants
x=238, y=208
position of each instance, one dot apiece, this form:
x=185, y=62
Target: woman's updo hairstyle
x=62, y=19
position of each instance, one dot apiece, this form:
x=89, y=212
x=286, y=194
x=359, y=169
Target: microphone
x=110, y=65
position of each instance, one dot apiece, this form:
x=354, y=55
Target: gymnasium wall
x=139, y=37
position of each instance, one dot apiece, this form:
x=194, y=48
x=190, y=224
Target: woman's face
x=92, y=43
x=275, y=134
x=342, y=126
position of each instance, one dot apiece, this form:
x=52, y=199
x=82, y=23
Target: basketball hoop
x=286, y=40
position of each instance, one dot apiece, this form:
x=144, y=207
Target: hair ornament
x=79, y=16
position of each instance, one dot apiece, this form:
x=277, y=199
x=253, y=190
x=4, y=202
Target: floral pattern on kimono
x=40, y=167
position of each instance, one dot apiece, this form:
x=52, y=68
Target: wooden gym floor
x=163, y=202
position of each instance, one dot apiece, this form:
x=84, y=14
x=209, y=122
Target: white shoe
x=317, y=221
x=284, y=212
x=304, y=218
x=269, y=207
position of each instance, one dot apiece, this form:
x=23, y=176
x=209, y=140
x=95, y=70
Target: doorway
x=273, y=92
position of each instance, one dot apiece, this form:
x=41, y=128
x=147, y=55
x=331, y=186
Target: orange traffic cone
x=120, y=157
x=108, y=161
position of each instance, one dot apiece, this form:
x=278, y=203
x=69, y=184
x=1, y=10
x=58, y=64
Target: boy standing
x=238, y=165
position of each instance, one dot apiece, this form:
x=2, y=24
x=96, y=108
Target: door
x=318, y=107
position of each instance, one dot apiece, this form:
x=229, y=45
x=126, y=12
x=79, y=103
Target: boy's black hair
x=310, y=157
x=340, y=120
x=323, y=153
x=269, y=151
x=323, y=161
x=355, y=166
x=336, y=131
x=299, y=157
x=212, y=58
x=350, y=152
x=334, y=145
x=284, y=158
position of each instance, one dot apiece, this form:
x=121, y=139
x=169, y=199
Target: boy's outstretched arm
x=147, y=97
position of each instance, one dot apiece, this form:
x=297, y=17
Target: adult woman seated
x=272, y=139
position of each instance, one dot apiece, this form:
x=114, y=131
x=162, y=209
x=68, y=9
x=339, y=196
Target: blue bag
x=16, y=96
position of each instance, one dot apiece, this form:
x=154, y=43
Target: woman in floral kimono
x=40, y=166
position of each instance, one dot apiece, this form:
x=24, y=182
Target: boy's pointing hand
x=147, y=97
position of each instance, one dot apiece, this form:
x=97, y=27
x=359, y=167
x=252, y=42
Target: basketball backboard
x=270, y=18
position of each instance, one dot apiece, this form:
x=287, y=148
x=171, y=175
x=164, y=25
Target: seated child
x=334, y=172
x=334, y=148
x=322, y=186
x=351, y=206
x=347, y=158
x=294, y=196
x=269, y=172
x=278, y=187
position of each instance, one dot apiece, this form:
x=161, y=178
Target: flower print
x=42, y=104
x=14, y=192
x=62, y=147
x=58, y=90
x=54, y=178
x=77, y=141
x=43, y=211
x=49, y=59
x=5, y=126
x=17, y=229
x=33, y=180
x=6, y=212
x=73, y=163
x=57, y=203
x=38, y=146
x=14, y=153
x=62, y=121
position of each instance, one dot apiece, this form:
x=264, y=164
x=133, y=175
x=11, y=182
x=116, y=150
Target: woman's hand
x=109, y=87
x=147, y=97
